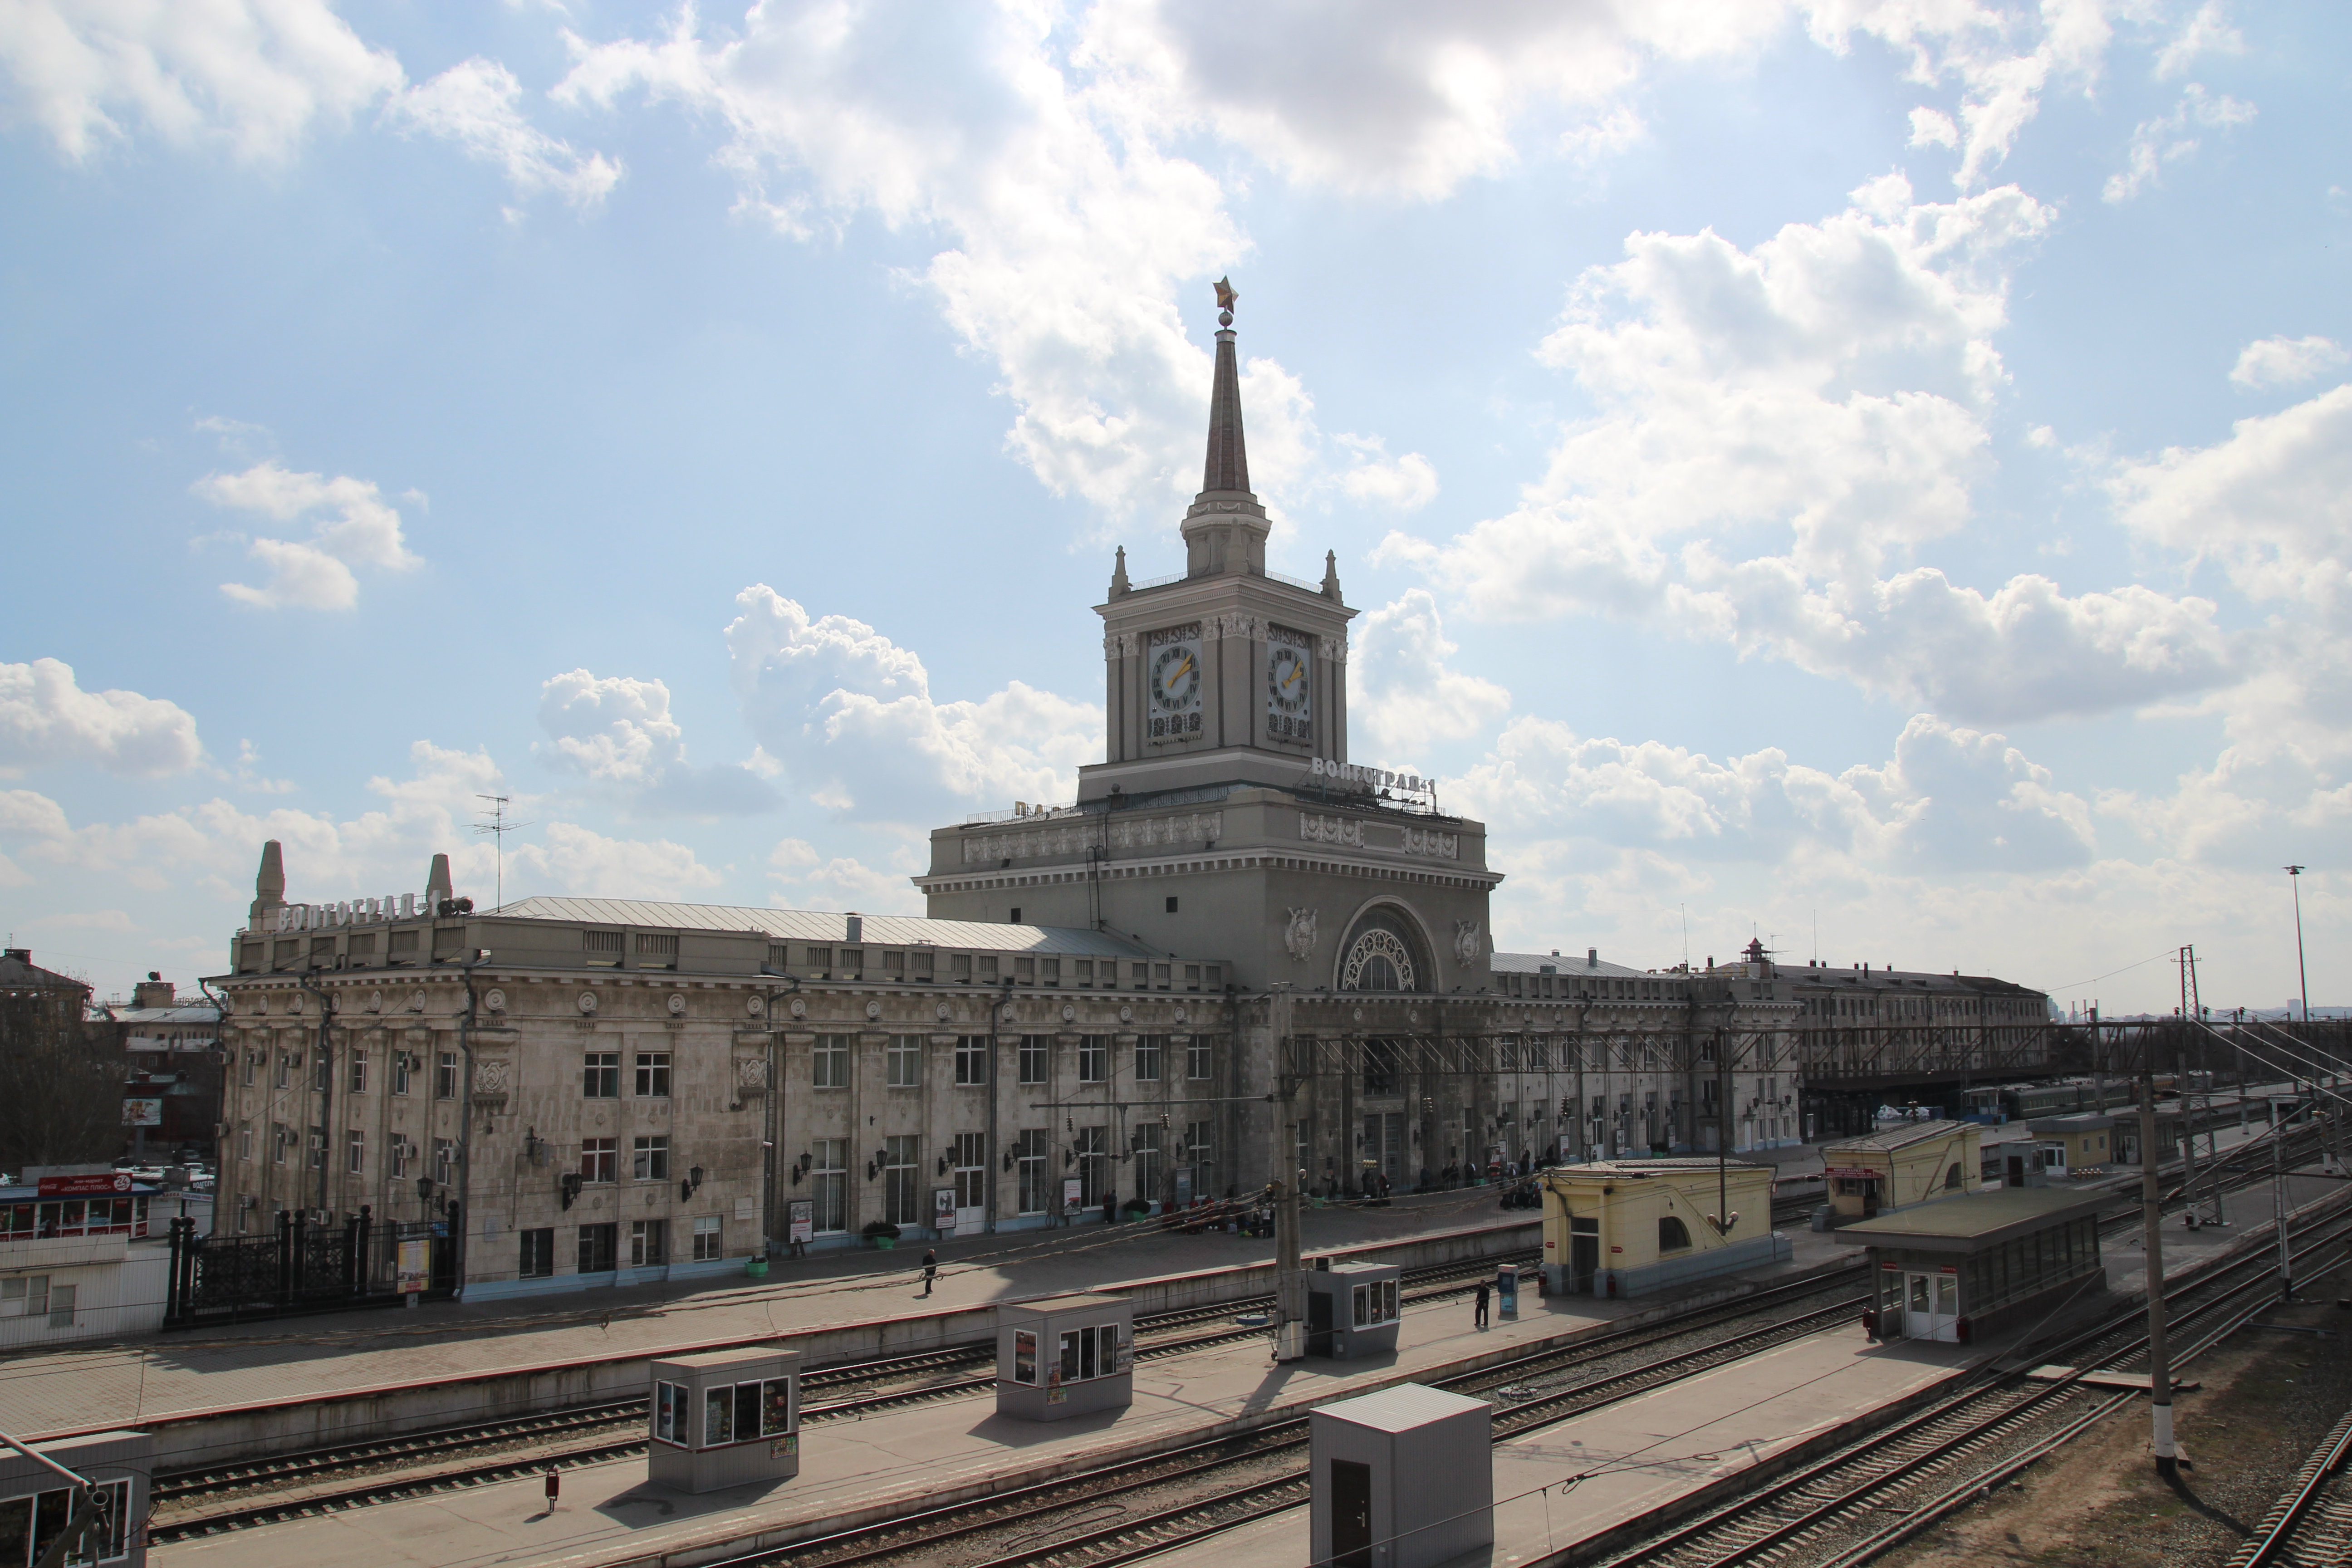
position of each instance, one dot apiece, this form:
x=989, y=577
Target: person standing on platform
x=1479, y=1320
x=931, y=1269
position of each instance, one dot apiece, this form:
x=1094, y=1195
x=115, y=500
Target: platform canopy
x=1975, y=1222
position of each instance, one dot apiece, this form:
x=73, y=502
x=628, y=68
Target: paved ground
x=895, y=1457
x=76, y=1389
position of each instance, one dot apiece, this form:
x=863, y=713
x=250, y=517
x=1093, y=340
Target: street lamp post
x=2302, y=976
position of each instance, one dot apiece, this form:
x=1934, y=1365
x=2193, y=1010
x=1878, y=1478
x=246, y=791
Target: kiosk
x=1402, y=1478
x=725, y=1418
x=1351, y=1310
x=1975, y=1265
x=36, y=1502
x=1064, y=1356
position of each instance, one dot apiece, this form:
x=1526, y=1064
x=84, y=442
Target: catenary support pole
x=2160, y=1364
x=2278, y=1204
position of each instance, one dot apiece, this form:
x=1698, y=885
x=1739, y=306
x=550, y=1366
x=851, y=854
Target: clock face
x=1290, y=685
x=1176, y=678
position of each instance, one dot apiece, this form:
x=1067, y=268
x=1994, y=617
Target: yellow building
x=1903, y=1166
x=1630, y=1228
x=2064, y=1146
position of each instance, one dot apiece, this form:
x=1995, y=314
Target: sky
x=1874, y=475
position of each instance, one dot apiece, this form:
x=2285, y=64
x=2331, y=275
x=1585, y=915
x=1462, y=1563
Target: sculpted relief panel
x=1128, y=833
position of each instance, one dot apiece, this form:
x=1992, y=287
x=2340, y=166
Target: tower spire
x=1225, y=529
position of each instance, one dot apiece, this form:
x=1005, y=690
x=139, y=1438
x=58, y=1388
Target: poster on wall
x=801, y=1220
x=412, y=1270
x=1069, y=1194
x=1183, y=1188
x=943, y=1210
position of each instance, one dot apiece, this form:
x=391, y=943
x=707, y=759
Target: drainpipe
x=772, y=1119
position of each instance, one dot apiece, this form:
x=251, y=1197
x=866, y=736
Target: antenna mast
x=497, y=827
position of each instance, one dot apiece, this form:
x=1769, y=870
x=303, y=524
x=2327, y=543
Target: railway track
x=436, y=1460
x=2311, y=1523
x=1852, y=1505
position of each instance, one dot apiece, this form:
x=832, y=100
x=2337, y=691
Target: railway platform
x=856, y=1472
x=367, y=1355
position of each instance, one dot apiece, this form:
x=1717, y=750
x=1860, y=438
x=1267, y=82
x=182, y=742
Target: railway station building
x=1236, y=957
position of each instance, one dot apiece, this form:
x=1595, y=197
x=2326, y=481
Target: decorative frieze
x=1431, y=843
x=1317, y=829
x=1126, y=833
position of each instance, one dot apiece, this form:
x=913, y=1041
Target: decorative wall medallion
x=944, y=1010
x=1179, y=1015
x=751, y=1072
x=375, y=1001
x=873, y=1009
x=490, y=1076
x=588, y=1001
x=800, y=1008
x=1069, y=1013
x=1298, y=937
x=1359, y=1014
x=294, y=1003
x=1466, y=940
x=416, y=1001
x=754, y=1006
x=495, y=1000
x=1126, y=1014
x=677, y=1006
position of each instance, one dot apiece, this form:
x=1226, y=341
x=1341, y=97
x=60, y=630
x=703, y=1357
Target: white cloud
x=618, y=731
x=1776, y=434
x=1404, y=690
x=47, y=720
x=1372, y=477
x=473, y=104
x=2285, y=361
x=361, y=529
x=2167, y=139
x=251, y=76
x=250, y=776
x=88, y=919
x=2206, y=33
x=1933, y=128
x=850, y=717
x=586, y=863
x=808, y=880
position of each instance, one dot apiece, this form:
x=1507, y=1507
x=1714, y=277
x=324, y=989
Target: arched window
x=1673, y=1235
x=1378, y=962
x=1952, y=1178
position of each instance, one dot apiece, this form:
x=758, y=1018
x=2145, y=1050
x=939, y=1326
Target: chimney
x=153, y=992
x=1591, y=958
x=857, y=932
x=268, y=886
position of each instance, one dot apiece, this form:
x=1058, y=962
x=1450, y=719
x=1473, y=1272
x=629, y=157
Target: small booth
x=1064, y=1356
x=725, y=1418
x=1970, y=1266
x=1631, y=1227
x=2061, y=1148
x=1915, y=1163
x=1351, y=1310
x=36, y=1503
x=1402, y=1478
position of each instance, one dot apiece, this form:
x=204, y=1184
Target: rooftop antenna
x=497, y=827
x=1686, y=909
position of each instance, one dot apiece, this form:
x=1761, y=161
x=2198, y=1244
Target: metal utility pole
x=2302, y=976
x=2151, y=1199
x=2188, y=1089
x=1289, y=1276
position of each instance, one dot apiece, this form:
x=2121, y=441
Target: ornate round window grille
x=1378, y=962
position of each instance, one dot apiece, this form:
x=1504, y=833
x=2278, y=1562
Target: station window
x=820, y=961
x=600, y=1076
x=1149, y=1051
x=1673, y=1234
x=401, y=1068
x=598, y=1246
x=1375, y=1302
x=538, y=1260
x=649, y=1159
x=984, y=969
x=1024, y=972
x=894, y=965
x=1036, y=1052
x=903, y=1062
x=599, y=1159
x=971, y=1059
x=919, y=967
x=960, y=967
x=1196, y=1057
x=355, y=1150
x=649, y=1243
x=1049, y=972
x=707, y=1240
x=653, y=1075
x=1159, y=973
x=829, y=1062
x=1082, y=972
x=359, y=1074
x=853, y=963
x=1094, y=1059
x=445, y=1077
x=445, y=1160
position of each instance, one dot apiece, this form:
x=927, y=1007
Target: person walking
x=931, y=1271
x=1480, y=1320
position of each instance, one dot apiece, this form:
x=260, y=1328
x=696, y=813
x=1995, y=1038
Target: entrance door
x=1869, y=1197
x=1352, y=1514
x=1583, y=1253
x=2017, y=1170
x=971, y=1183
x=1318, y=1323
x=1931, y=1307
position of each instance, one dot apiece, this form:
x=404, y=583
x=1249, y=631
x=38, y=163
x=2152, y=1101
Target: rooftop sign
x=1372, y=778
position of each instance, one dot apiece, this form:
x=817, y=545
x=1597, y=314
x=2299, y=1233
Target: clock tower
x=1224, y=672
x=1225, y=818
